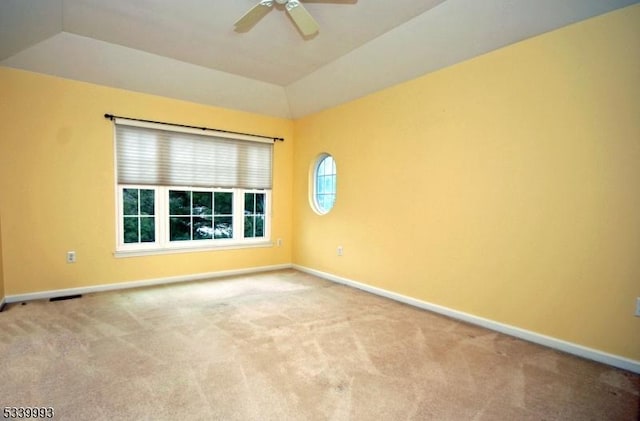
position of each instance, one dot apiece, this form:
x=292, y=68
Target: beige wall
x=505, y=186
x=57, y=184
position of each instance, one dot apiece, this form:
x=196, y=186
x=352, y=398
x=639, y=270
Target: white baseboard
x=527, y=335
x=2, y=303
x=143, y=283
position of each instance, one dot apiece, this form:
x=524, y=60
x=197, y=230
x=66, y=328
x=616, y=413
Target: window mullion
x=266, y=211
x=238, y=214
x=254, y=212
x=138, y=215
x=120, y=215
x=191, y=219
x=163, y=215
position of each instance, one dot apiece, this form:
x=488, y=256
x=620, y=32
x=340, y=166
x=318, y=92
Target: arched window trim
x=323, y=184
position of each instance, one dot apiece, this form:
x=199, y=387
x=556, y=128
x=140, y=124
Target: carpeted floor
x=286, y=346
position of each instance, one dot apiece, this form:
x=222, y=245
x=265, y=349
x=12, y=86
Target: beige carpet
x=286, y=346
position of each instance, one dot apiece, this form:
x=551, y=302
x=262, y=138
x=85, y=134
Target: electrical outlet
x=71, y=257
x=340, y=251
x=638, y=307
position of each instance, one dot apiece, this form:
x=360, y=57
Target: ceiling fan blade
x=303, y=20
x=256, y=13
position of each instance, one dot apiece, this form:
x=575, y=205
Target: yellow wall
x=1, y=268
x=57, y=184
x=505, y=186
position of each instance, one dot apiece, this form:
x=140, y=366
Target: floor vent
x=66, y=297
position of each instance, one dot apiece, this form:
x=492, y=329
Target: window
x=200, y=215
x=254, y=216
x=182, y=190
x=139, y=210
x=323, y=190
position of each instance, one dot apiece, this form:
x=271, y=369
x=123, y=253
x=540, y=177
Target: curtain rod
x=113, y=117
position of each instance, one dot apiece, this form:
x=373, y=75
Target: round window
x=324, y=183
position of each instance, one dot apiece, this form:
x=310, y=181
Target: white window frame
x=163, y=243
x=121, y=245
x=313, y=184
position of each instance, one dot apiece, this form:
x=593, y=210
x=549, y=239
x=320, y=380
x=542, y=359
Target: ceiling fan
x=299, y=14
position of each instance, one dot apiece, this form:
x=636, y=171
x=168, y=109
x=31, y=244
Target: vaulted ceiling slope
x=189, y=50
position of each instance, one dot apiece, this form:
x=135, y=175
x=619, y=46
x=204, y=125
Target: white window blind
x=150, y=156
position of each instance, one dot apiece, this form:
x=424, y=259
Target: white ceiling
x=189, y=50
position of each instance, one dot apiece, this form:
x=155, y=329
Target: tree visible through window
x=200, y=215
x=138, y=215
x=254, y=214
